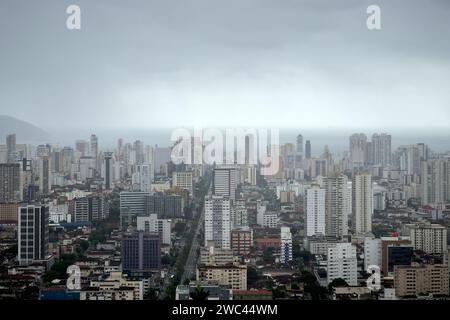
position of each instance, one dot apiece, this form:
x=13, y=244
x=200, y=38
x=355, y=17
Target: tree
x=252, y=274
x=337, y=283
x=199, y=293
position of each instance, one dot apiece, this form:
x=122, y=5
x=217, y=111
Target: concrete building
x=225, y=182
x=241, y=241
x=152, y=224
x=183, y=180
x=132, y=204
x=10, y=183
x=430, y=238
x=372, y=252
x=141, y=252
x=315, y=211
x=286, y=245
x=418, y=279
x=336, y=205
x=115, y=281
x=233, y=275
x=215, y=292
x=33, y=228
x=362, y=203
x=342, y=263
x=211, y=255
x=218, y=221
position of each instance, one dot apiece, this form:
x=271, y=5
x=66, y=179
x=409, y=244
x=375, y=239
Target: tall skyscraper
x=342, y=263
x=381, y=146
x=141, y=252
x=286, y=245
x=138, y=147
x=45, y=181
x=33, y=233
x=336, y=207
x=358, y=150
x=82, y=146
x=308, y=149
x=218, y=221
x=11, y=148
x=225, y=183
x=315, y=211
x=132, y=204
x=299, y=151
x=435, y=181
x=10, y=182
x=362, y=203
x=107, y=175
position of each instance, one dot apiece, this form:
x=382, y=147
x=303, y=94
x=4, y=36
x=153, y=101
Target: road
x=191, y=261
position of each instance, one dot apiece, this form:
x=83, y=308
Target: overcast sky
x=278, y=63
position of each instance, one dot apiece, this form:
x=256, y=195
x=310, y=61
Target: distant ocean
x=337, y=140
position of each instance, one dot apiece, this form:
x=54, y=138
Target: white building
x=372, y=252
x=270, y=220
x=430, y=238
x=315, y=211
x=218, y=221
x=286, y=245
x=342, y=263
x=225, y=182
x=362, y=203
x=151, y=223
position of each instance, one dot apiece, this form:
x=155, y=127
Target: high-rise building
x=239, y=216
x=308, y=149
x=381, y=146
x=419, y=279
x=218, y=221
x=82, y=147
x=362, y=203
x=342, y=263
x=183, y=180
x=358, y=150
x=94, y=148
x=152, y=224
x=33, y=228
x=241, y=241
x=132, y=204
x=11, y=148
x=372, y=252
x=166, y=205
x=315, y=211
x=141, y=252
x=336, y=205
x=286, y=245
x=299, y=151
x=108, y=170
x=225, y=183
x=45, y=181
x=435, y=181
x=143, y=177
x=10, y=182
x=429, y=238
x=138, y=147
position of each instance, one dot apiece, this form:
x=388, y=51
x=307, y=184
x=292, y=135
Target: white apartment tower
x=362, y=203
x=218, y=221
x=342, y=263
x=315, y=211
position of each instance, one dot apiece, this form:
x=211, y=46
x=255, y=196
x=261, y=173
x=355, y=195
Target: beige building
x=9, y=212
x=183, y=180
x=114, y=284
x=430, y=238
x=421, y=279
x=233, y=275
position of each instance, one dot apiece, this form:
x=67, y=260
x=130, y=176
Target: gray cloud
x=210, y=62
